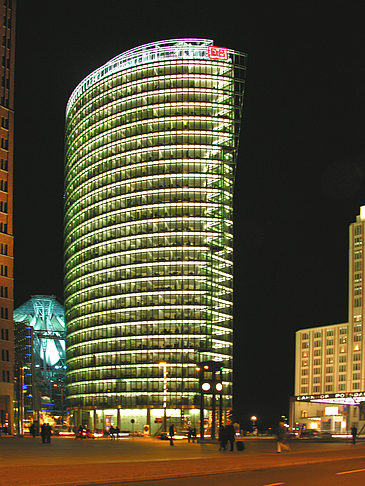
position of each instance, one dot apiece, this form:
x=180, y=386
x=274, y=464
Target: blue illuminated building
x=40, y=358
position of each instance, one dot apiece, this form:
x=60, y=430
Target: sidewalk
x=70, y=462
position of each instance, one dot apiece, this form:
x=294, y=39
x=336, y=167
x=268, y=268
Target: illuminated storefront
x=151, y=148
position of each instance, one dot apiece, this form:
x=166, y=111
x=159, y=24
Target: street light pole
x=164, y=368
x=253, y=420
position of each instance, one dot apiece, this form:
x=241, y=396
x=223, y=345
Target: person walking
x=193, y=434
x=172, y=433
x=117, y=431
x=230, y=433
x=354, y=434
x=281, y=438
x=190, y=431
x=222, y=437
x=111, y=432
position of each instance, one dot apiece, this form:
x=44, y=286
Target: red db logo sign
x=218, y=53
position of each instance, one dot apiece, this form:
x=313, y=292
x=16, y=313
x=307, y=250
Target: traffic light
x=209, y=382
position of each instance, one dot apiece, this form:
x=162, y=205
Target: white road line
x=350, y=472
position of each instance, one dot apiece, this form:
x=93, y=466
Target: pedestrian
x=190, y=431
x=111, y=432
x=172, y=433
x=193, y=434
x=33, y=430
x=281, y=438
x=48, y=433
x=44, y=433
x=117, y=430
x=354, y=433
x=222, y=437
x=230, y=433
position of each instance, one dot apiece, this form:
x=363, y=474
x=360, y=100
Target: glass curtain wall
x=150, y=158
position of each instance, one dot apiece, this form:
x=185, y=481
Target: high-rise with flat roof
x=7, y=43
x=330, y=360
x=151, y=148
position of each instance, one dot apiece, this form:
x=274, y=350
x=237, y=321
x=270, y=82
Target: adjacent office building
x=40, y=361
x=330, y=360
x=7, y=43
x=151, y=148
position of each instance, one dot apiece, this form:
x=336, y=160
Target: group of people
x=46, y=432
x=114, y=432
x=226, y=434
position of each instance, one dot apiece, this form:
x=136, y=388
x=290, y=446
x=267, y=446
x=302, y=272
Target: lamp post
x=164, y=368
x=253, y=420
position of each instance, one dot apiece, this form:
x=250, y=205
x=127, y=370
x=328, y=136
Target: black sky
x=300, y=177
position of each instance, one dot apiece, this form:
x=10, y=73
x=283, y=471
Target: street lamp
x=253, y=420
x=164, y=368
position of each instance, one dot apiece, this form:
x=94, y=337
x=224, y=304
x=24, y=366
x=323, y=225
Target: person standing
x=33, y=430
x=48, y=433
x=172, y=433
x=354, y=433
x=230, y=433
x=44, y=433
x=222, y=437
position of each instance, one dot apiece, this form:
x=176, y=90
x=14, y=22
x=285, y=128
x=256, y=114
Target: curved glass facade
x=151, y=146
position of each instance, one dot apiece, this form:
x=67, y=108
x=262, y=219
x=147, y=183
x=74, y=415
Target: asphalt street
x=339, y=473
x=101, y=461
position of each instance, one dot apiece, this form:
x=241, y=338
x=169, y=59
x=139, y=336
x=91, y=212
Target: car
x=315, y=434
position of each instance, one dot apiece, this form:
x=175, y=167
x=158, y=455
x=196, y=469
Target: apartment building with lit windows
x=151, y=148
x=329, y=365
x=7, y=48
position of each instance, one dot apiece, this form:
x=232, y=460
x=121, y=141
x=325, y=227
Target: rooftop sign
x=195, y=49
x=218, y=53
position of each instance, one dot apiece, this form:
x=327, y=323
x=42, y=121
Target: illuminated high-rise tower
x=7, y=36
x=151, y=148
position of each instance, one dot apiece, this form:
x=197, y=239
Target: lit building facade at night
x=151, y=147
x=330, y=359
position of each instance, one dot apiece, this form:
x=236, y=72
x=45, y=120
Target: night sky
x=300, y=176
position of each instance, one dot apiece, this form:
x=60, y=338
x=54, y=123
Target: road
x=28, y=462
x=339, y=473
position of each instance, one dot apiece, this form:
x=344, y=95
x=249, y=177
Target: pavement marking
x=350, y=472
x=273, y=484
